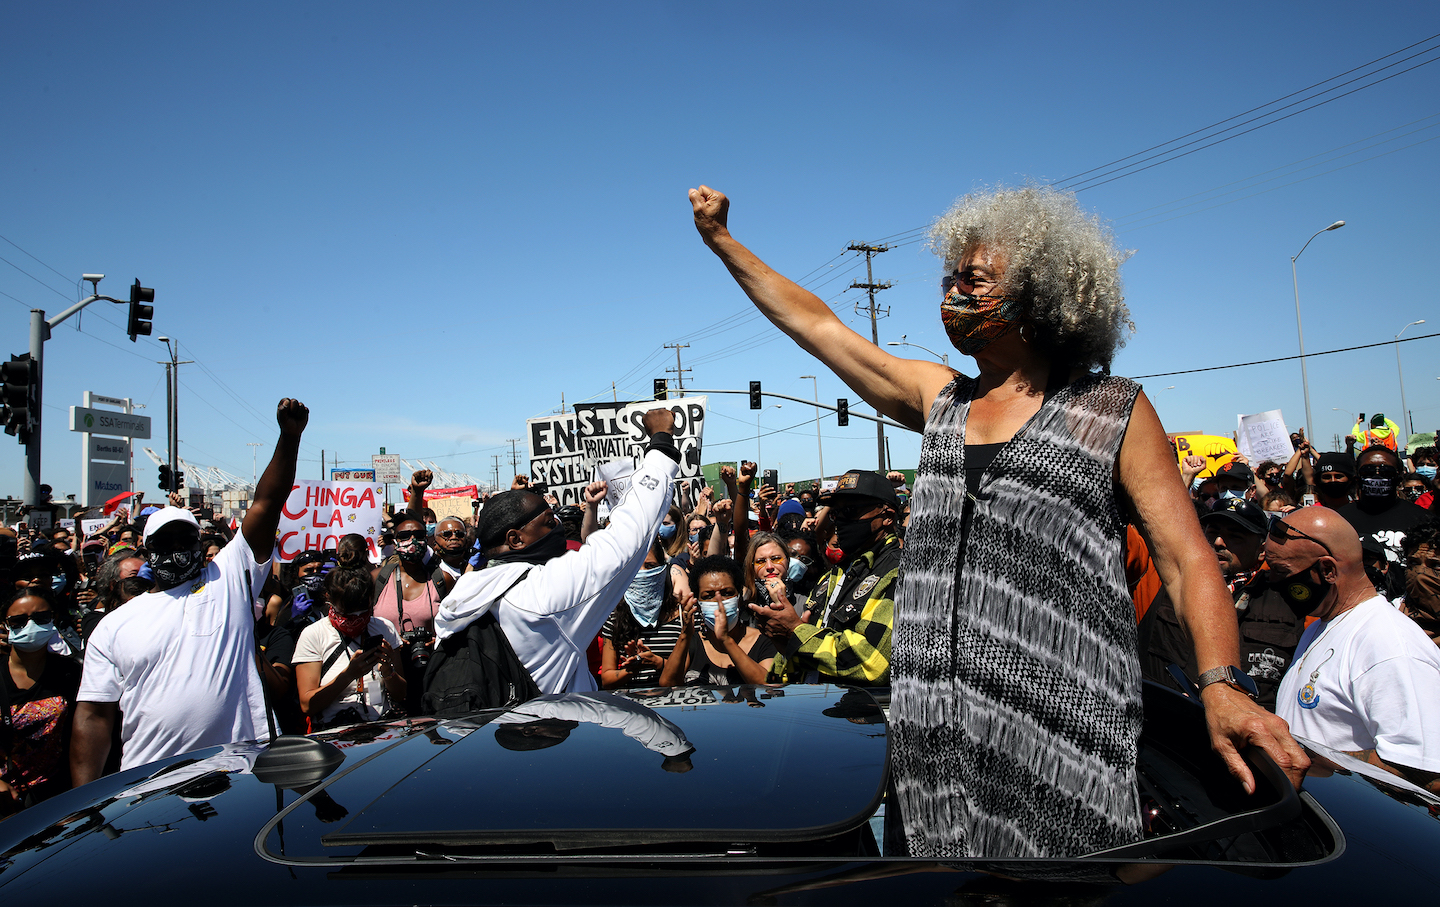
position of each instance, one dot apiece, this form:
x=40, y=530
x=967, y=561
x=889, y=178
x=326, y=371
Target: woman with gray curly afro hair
x=1060, y=263
x=1015, y=681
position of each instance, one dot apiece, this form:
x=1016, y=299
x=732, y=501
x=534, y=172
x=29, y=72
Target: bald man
x=1365, y=679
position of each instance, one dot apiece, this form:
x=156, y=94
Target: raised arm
x=899, y=388
x=420, y=480
x=279, y=477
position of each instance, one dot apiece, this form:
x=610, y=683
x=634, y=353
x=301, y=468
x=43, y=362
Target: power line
x=1105, y=168
x=1348, y=349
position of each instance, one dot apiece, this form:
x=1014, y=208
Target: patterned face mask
x=973, y=322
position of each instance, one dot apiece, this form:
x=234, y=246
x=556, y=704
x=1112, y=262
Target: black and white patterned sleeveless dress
x=1015, y=704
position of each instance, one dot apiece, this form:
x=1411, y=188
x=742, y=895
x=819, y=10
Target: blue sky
x=430, y=221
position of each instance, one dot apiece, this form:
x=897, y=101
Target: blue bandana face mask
x=645, y=595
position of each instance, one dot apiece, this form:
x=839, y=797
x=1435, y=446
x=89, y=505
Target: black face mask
x=853, y=538
x=552, y=545
x=1378, y=483
x=171, y=568
x=1302, y=594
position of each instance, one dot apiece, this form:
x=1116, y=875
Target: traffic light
x=18, y=397
x=661, y=389
x=755, y=395
x=140, y=314
x=842, y=411
x=164, y=476
x=179, y=479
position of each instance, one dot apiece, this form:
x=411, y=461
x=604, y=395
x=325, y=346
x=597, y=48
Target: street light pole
x=819, y=451
x=172, y=407
x=943, y=357
x=1404, y=413
x=1304, y=376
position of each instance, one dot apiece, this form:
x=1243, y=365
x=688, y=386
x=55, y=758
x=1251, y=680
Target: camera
x=418, y=642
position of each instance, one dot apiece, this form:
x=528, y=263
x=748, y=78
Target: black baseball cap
x=1235, y=470
x=1238, y=510
x=862, y=483
x=1337, y=461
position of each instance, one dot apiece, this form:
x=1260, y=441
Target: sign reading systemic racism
x=556, y=458
x=566, y=449
x=318, y=514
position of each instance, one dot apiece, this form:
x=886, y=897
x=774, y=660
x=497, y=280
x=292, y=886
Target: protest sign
x=616, y=476
x=610, y=431
x=1216, y=449
x=352, y=475
x=556, y=458
x=317, y=515
x=460, y=506
x=465, y=491
x=1262, y=437
x=387, y=468
x=90, y=527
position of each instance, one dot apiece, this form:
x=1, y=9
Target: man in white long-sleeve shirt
x=551, y=603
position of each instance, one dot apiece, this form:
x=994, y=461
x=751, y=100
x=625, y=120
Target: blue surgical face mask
x=796, y=569
x=645, y=595
x=694, y=537
x=32, y=637
x=430, y=529
x=667, y=531
x=732, y=612
x=58, y=582
x=1230, y=493
x=1426, y=471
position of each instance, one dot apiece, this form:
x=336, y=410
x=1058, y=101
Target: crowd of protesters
x=143, y=640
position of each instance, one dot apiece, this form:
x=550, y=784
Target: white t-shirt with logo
x=181, y=663
x=1376, y=686
x=367, y=696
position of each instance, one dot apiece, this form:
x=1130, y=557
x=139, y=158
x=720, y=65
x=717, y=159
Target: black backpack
x=476, y=670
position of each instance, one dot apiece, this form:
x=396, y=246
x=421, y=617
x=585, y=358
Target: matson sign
x=106, y=422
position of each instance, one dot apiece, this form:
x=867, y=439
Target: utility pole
x=254, y=469
x=679, y=372
x=172, y=407
x=496, y=458
x=870, y=286
x=514, y=457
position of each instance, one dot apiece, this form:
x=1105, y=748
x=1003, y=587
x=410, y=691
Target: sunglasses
x=410, y=534
x=18, y=622
x=1283, y=532
x=855, y=511
x=451, y=534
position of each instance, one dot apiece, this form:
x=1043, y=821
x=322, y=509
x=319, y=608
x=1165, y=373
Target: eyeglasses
x=409, y=534
x=1283, y=532
x=18, y=622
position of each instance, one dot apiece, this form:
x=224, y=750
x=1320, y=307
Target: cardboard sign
x=462, y=507
x=317, y=515
x=387, y=468
x=90, y=527
x=1263, y=436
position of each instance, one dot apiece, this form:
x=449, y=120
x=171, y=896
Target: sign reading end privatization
x=105, y=422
